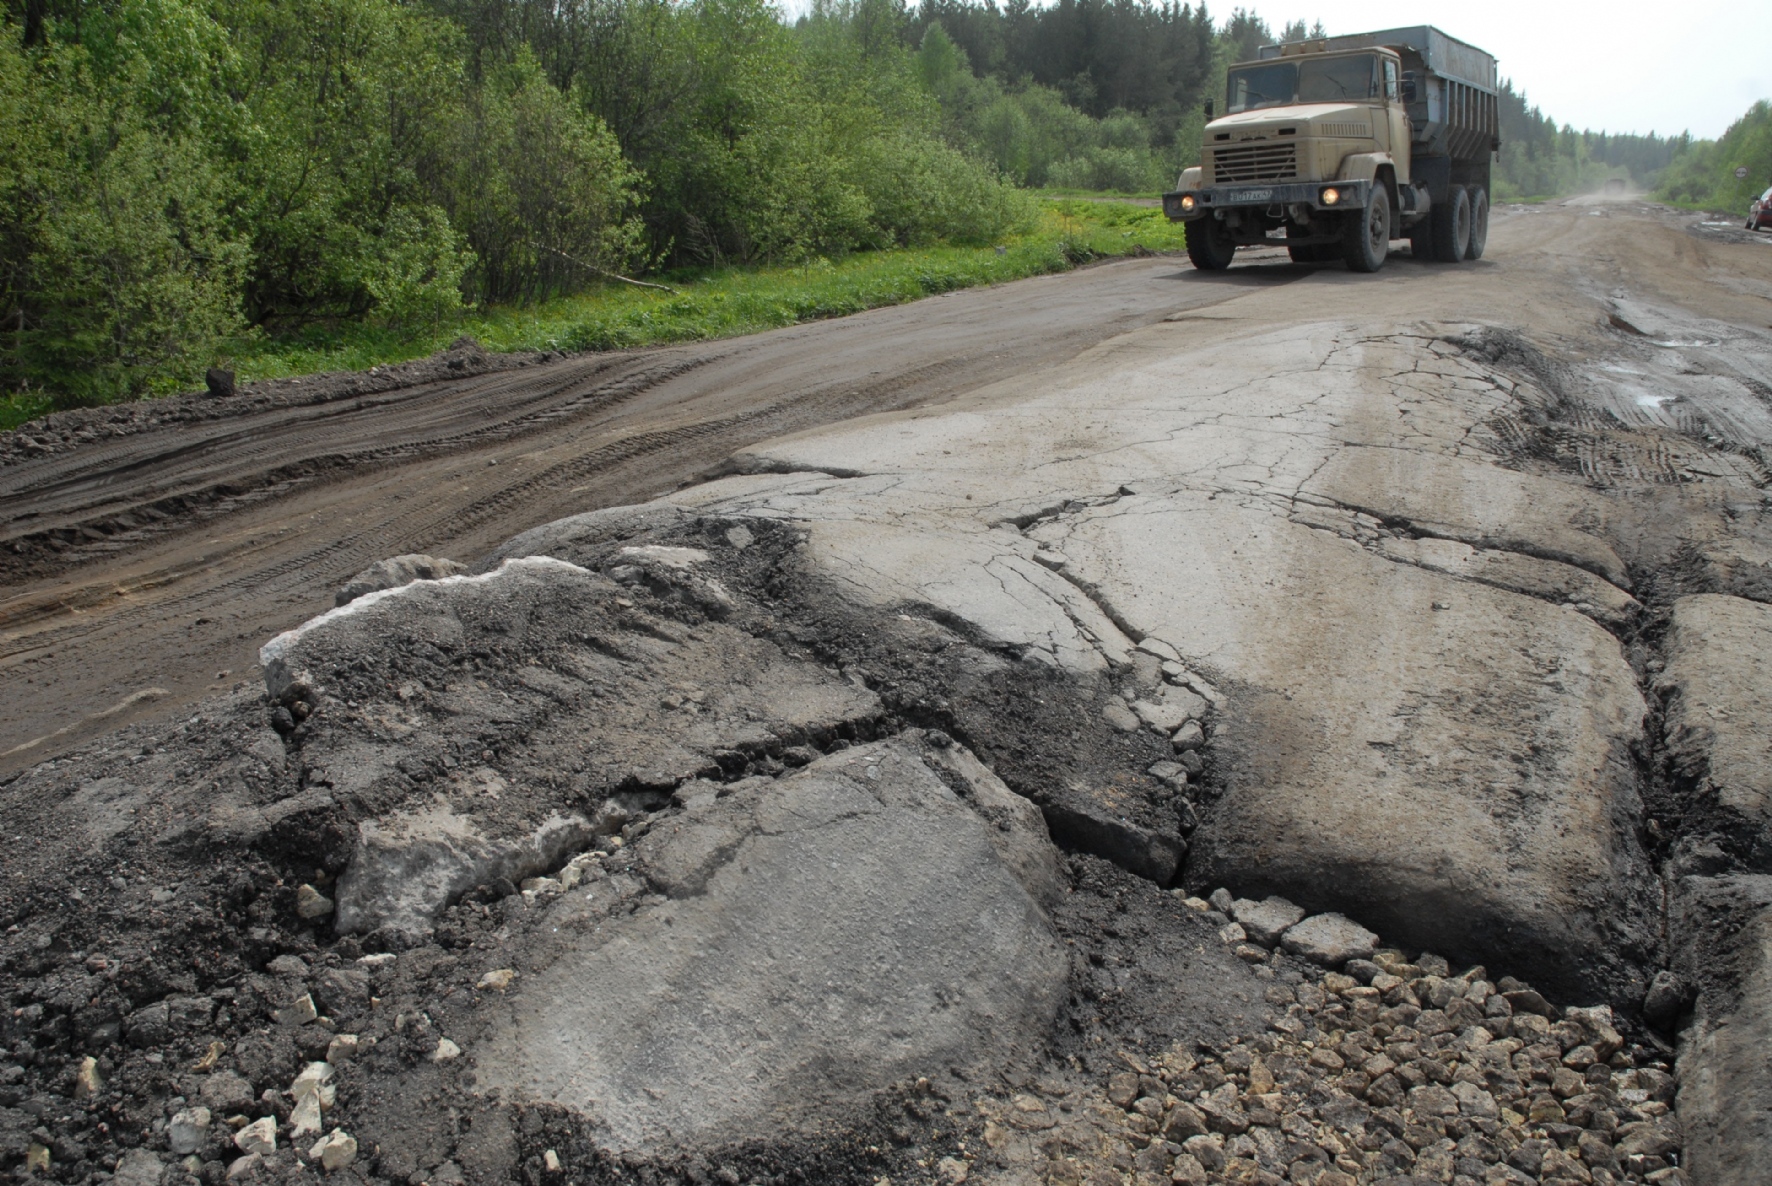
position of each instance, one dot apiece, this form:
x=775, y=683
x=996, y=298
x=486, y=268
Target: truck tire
x=1479, y=222
x=1209, y=244
x=1452, y=226
x=1366, y=238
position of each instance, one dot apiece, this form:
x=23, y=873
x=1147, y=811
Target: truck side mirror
x=1409, y=86
x=1209, y=109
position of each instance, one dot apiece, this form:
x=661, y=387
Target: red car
x=1759, y=215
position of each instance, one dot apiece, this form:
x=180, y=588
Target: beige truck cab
x=1334, y=147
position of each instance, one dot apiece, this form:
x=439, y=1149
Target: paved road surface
x=284, y=506
x=1451, y=584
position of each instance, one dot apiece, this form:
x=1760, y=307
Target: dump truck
x=1335, y=146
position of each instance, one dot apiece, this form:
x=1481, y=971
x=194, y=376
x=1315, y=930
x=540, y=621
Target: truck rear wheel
x=1209, y=244
x=1479, y=222
x=1366, y=239
x=1452, y=226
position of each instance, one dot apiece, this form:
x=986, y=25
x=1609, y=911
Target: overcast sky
x=1623, y=66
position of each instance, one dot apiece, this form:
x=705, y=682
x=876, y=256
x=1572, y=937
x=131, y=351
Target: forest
x=180, y=172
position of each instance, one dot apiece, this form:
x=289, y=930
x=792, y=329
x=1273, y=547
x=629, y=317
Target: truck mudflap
x=1348, y=195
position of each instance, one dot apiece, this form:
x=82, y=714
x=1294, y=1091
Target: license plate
x=1249, y=195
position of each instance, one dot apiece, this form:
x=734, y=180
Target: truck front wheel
x=1366, y=239
x=1452, y=226
x=1209, y=244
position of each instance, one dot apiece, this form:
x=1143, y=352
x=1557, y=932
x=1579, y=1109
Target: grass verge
x=712, y=302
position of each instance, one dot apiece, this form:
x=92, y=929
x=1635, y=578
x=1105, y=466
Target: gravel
x=1353, y=1084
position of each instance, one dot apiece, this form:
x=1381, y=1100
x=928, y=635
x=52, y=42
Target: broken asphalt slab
x=782, y=949
x=1446, y=758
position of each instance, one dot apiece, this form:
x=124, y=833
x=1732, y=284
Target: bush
x=1126, y=170
x=352, y=103
x=1033, y=136
x=539, y=188
x=1705, y=174
x=180, y=172
x=122, y=274
x=925, y=192
x=414, y=273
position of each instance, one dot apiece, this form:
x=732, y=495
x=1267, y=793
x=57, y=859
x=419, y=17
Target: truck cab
x=1319, y=150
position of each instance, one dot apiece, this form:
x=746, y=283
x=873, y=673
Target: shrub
x=122, y=274
x=539, y=188
x=414, y=274
x=352, y=102
x=923, y=191
x=1705, y=174
x=1127, y=170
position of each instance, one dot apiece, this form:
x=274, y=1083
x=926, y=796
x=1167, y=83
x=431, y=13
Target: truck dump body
x=1455, y=111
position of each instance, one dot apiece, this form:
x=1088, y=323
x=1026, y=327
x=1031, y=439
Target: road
x=259, y=518
x=1431, y=606
x=272, y=511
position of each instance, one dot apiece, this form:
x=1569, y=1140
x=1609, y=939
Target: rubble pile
x=1380, y=1068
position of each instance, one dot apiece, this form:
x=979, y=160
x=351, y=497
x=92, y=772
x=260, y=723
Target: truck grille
x=1256, y=162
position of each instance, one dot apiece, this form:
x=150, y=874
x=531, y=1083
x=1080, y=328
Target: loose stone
x=258, y=1137
x=1188, y=738
x=299, y=1011
x=1329, y=939
x=88, y=1083
x=188, y=1130
x=336, y=1150
x=310, y=903
x=1265, y=921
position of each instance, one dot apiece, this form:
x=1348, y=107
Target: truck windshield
x=1267, y=85
x=1301, y=80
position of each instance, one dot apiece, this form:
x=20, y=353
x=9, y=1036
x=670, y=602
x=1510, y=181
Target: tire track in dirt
x=106, y=519
x=358, y=552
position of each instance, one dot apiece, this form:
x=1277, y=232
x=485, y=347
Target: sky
x=1623, y=66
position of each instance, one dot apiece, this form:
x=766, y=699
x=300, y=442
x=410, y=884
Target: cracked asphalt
x=1433, y=599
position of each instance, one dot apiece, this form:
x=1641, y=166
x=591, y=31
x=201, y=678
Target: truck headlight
x=1331, y=196
x=1187, y=203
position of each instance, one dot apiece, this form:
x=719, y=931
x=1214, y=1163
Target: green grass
x=712, y=303
x=17, y=408
x=1059, y=192
x=726, y=302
